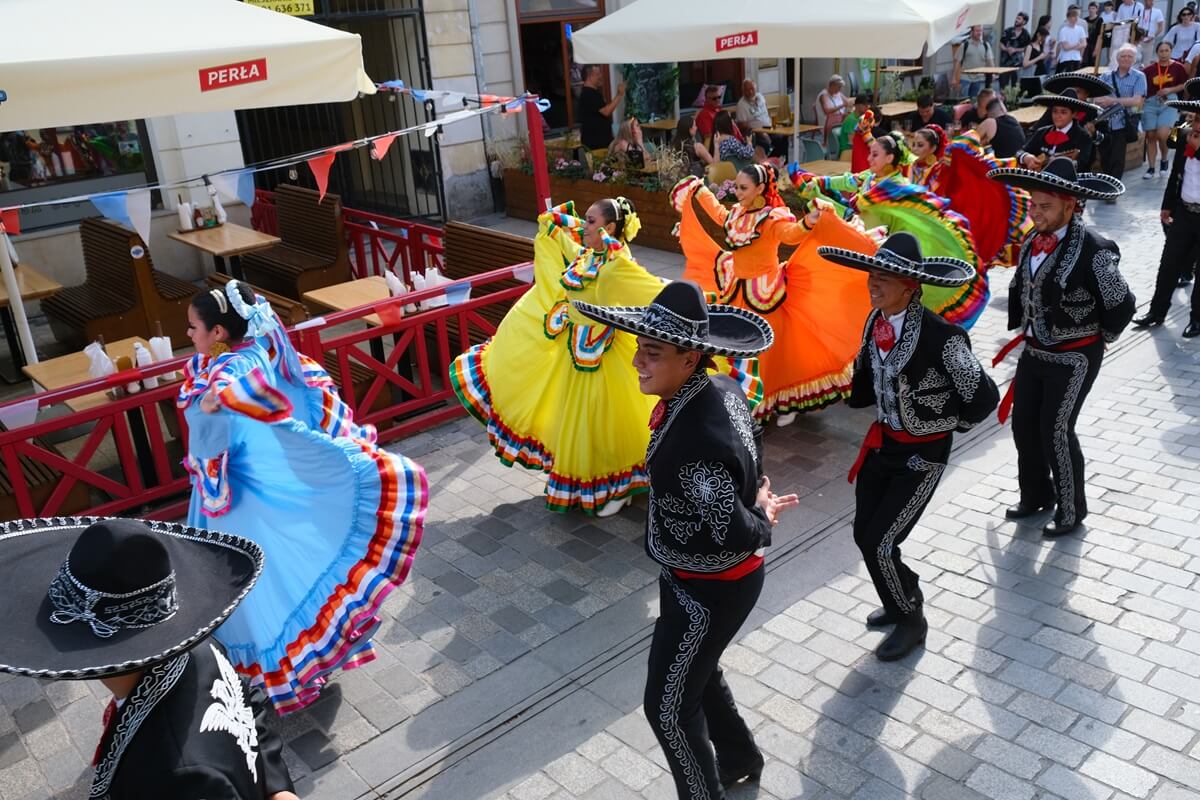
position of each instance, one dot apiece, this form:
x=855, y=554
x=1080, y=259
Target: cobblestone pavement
x=511, y=663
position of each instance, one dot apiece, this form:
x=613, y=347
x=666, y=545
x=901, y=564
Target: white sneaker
x=1149, y=174
x=611, y=507
x=783, y=420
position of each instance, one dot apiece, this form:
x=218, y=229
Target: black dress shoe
x=750, y=772
x=1022, y=510
x=1148, y=321
x=1056, y=530
x=1192, y=330
x=881, y=618
x=908, y=635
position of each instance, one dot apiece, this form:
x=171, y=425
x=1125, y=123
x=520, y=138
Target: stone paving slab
x=511, y=663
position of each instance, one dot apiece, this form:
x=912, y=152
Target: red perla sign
x=735, y=40
x=233, y=74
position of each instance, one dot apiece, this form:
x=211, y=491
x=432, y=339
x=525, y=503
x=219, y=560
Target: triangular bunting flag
x=236, y=186
x=111, y=205
x=380, y=146
x=137, y=209
x=320, y=169
x=10, y=221
x=458, y=293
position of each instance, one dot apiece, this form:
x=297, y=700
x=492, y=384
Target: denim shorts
x=1156, y=114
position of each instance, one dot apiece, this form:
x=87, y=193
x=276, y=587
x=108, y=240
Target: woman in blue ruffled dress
x=275, y=456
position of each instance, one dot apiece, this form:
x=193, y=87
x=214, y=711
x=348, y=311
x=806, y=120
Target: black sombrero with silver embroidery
x=92, y=597
x=1191, y=89
x=1068, y=100
x=680, y=317
x=1093, y=85
x=901, y=255
x=1060, y=177
x=1191, y=106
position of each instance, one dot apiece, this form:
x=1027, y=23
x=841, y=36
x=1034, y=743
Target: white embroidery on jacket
x=231, y=713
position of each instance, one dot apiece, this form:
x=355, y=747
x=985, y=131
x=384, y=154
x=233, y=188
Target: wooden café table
x=226, y=241
x=361, y=292
x=352, y=294
x=897, y=109
x=826, y=168
x=1028, y=115
x=988, y=72
x=72, y=369
x=32, y=285
x=667, y=125
x=788, y=130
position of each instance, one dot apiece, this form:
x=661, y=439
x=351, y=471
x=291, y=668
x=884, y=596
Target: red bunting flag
x=10, y=221
x=380, y=146
x=320, y=169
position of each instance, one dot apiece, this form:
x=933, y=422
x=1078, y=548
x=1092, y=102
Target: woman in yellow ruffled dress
x=557, y=391
x=816, y=310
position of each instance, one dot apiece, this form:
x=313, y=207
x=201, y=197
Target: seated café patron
x=928, y=114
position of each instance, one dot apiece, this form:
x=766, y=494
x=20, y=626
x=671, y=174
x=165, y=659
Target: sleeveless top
x=1009, y=137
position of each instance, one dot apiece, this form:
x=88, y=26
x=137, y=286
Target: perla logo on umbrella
x=233, y=74
x=734, y=40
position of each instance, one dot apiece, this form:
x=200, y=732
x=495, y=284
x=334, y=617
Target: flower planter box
x=654, y=208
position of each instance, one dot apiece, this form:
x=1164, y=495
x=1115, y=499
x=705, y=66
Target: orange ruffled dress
x=816, y=309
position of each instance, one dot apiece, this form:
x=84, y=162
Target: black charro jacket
x=704, y=461
x=930, y=381
x=188, y=732
x=1077, y=292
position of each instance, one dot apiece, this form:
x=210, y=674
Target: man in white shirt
x=752, y=108
x=1152, y=25
x=1128, y=11
x=1072, y=41
x=1181, y=220
x=752, y=113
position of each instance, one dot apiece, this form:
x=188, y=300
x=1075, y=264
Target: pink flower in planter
x=598, y=177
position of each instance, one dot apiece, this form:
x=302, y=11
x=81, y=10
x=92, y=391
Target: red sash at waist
x=1006, y=404
x=732, y=574
x=874, y=440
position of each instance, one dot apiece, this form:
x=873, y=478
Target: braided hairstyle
x=213, y=308
x=619, y=210
x=767, y=176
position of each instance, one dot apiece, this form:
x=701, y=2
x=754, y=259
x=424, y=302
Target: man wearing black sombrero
x=1181, y=222
x=133, y=604
x=710, y=516
x=1068, y=299
x=1066, y=135
x=925, y=383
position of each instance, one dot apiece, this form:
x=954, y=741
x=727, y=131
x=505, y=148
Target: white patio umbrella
x=151, y=58
x=651, y=31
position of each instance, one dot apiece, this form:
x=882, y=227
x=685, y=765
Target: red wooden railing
x=375, y=242
x=147, y=479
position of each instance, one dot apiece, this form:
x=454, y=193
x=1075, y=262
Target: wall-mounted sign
x=295, y=8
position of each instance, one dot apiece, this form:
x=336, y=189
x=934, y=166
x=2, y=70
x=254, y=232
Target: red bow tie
x=658, y=414
x=1044, y=243
x=884, y=334
x=1056, y=137
x=1189, y=151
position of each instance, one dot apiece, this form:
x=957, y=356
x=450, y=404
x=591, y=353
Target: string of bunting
x=131, y=207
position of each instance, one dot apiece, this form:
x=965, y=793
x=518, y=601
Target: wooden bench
x=42, y=481
x=313, y=252
x=122, y=294
x=292, y=312
x=472, y=250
